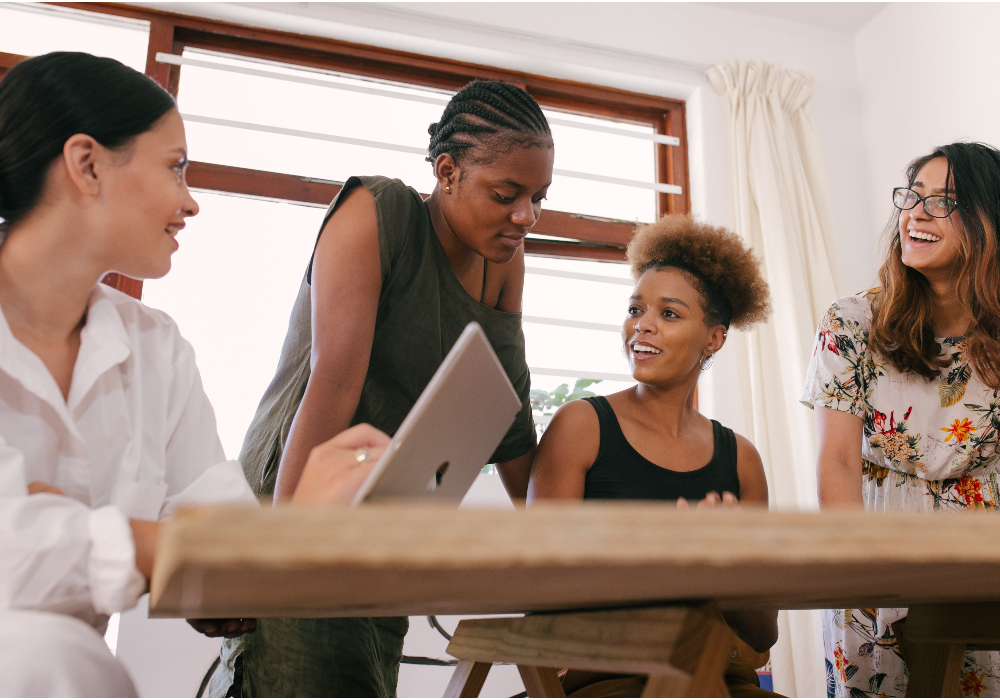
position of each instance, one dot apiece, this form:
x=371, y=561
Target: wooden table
x=419, y=560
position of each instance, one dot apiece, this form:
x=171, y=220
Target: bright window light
x=35, y=29
x=271, y=101
x=231, y=290
x=568, y=354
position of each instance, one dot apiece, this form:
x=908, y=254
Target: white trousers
x=49, y=655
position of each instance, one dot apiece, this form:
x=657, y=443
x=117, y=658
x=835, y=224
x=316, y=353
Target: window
x=230, y=289
x=31, y=30
x=276, y=122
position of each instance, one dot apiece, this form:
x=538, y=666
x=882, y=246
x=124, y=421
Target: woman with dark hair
x=905, y=380
x=392, y=283
x=104, y=426
x=649, y=442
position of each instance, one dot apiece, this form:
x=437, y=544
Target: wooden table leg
x=708, y=654
x=541, y=682
x=468, y=679
x=934, y=667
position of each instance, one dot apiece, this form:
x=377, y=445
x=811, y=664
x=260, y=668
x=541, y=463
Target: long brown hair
x=902, y=328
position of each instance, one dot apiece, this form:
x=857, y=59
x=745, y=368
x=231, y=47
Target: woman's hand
x=711, y=500
x=336, y=469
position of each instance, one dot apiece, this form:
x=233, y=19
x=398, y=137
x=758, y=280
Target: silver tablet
x=452, y=429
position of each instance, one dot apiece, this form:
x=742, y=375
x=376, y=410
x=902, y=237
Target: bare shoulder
x=750, y=468
x=575, y=415
x=566, y=452
x=573, y=430
x=358, y=207
x=349, y=237
x=745, y=448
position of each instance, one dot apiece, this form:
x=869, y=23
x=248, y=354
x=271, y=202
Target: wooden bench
x=684, y=649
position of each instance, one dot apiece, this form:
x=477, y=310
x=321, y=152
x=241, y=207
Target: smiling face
x=492, y=205
x=930, y=245
x=144, y=200
x=666, y=332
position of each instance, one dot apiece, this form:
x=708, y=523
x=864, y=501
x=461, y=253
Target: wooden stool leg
x=934, y=667
x=467, y=680
x=707, y=648
x=541, y=682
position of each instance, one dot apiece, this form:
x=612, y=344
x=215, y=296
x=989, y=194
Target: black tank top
x=619, y=472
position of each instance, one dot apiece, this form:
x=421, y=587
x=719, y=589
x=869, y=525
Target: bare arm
x=758, y=628
x=839, y=464
x=515, y=474
x=566, y=452
x=346, y=283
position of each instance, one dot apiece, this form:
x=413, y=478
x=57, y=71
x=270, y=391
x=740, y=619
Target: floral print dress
x=927, y=446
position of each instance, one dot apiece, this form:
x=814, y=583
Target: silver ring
x=361, y=455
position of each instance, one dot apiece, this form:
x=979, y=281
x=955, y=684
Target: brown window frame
x=583, y=237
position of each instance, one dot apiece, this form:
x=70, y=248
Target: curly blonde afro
x=726, y=272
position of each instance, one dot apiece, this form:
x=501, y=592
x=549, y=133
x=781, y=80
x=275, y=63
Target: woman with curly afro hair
x=649, y=442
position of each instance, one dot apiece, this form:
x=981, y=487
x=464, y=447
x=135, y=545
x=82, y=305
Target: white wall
x=928, y=74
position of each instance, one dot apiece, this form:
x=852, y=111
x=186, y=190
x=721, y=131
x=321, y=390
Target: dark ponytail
x=46, y=100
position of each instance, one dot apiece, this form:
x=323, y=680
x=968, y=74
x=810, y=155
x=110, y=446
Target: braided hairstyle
x=491, y=113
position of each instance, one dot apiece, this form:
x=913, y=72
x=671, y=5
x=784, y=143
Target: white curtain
x=782, y=211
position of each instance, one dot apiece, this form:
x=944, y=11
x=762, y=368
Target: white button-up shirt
x=136, y=439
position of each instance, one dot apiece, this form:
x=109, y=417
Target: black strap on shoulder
x=482, y=295
x=726, y=451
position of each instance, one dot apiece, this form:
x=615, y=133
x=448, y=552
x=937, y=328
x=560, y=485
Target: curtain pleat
x=782, y=211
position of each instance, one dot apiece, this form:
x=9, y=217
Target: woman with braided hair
x=392, y=283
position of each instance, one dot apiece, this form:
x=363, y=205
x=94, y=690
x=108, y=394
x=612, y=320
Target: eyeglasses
x=935, y=205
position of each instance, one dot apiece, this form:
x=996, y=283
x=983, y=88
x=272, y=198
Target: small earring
x=447, y=189
x=706, y=362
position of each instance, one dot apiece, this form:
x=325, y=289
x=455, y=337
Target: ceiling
x=839, y=16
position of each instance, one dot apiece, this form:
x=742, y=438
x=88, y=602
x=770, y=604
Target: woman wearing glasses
x=905, y=379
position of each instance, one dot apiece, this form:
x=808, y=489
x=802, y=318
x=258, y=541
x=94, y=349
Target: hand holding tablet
x=337, y=468
x=441, y=446
x=452, y=429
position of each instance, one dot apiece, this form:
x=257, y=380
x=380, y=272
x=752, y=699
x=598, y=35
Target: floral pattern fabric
x=926, y=446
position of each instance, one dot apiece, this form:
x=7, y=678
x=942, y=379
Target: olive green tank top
x=422, y=310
